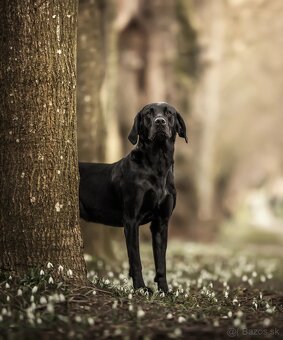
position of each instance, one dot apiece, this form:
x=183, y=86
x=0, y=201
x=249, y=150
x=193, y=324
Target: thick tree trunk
x=38, y=150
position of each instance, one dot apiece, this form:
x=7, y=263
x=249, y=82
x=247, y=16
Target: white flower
x=94, y=292
x=230, y=314
x=90, y=321
x=50, y=308
x=43, y=300
x=7, y=285
x=177, y=332
x=32, y=298
x=169, y=316
x=216, y=323
x=115, y=304
x=41, y=272
x=130, y=296
x=49, y=265
x=78, y=318
x=8, y=298
x=140, y=313
x=70, y=272
x=39, y=321
x=240, y=314
x=4, y=311
x=181, y=319
x=60, y=269
x=131, y=307
x=62, y=297
x=266, y=322
x=10, y=278
x=50, y=280
x=19, y=292
x=107, y=282
x=34, y=289
x=237, y=322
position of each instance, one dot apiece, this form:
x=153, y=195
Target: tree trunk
x=97, y=121
x=38, y=151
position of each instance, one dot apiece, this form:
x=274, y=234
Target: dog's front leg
x=159, y=231
x=131, y=229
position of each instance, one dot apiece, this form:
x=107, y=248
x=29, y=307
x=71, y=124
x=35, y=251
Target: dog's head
x=158, y=122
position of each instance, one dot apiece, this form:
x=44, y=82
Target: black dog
x=139, y=188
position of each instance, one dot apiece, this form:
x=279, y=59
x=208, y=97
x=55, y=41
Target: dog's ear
x=181, y=127
x=133, y=135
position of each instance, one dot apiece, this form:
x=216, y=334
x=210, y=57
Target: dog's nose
x=160, y=121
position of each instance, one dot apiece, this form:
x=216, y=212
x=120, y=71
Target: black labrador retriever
x=139, y=188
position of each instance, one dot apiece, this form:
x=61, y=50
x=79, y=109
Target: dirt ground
x=216, y=292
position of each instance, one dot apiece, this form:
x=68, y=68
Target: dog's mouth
x=160, y=134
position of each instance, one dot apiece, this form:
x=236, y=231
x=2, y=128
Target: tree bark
x=38, y=153
x=98, y=137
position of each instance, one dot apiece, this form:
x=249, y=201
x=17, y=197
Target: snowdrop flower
x=19, y=292
x=177, y=332
x=262, y=278
x=41, y=273
x=50, y=308
x=8, y=298
x=230, y=314
x=34, y=289
x=78, y=319
x=43, y=300
x=10, y=278
x=90, y=321
x=60, y=269
x=4, y=311
x=94, y=292
x=237, y=322
x=216, y=323
x=115, y=304
x=49, y=265
x=70, y=272
x=32, y=298
x=181, y=319
x=50, y=281
x=266, y=322
x=240, y=314
x=39, y=321
x=169, y=316
x=62, y=297
x=7, y=285
x=131, y=307
x=107, y=282
x=140, y=313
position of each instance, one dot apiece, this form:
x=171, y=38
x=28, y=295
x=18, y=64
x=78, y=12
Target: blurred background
x=220, y=64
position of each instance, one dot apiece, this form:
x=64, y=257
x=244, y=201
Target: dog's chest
x=158, y=190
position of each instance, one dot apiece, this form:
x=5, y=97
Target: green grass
x=214, y=290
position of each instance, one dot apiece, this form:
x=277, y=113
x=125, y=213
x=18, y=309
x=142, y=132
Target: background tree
x=38, y=152
x=98, y=135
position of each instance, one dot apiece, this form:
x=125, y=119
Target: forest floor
x=216, y=292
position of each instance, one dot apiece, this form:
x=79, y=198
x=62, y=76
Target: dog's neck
x=158, y=155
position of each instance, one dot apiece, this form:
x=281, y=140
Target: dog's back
x=98, y=198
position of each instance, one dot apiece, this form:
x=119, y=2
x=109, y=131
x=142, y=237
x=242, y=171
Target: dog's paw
x=144, y=290
x=163, y=286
